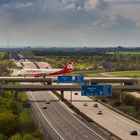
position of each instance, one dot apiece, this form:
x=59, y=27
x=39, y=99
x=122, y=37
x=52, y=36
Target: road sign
x=96, y=90
x=64, y=79
x=79, y=79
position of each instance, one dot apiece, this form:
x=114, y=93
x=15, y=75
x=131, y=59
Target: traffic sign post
x=79, y=79
x=96, y=90
x=64, y=79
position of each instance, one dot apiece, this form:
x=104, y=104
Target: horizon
x=66, y=47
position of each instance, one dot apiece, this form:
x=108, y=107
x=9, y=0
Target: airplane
x=47, y=72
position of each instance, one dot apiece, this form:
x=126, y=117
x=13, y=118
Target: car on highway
x=75, y=93
x=100, y=112
x=84, y=104
x=47, y=102
x=95, y=105
x=44, y=107
x=133, y=132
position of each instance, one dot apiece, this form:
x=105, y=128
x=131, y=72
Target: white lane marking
x=36, y=117
x=66, y=108
x=61, y=102
x=46, y=118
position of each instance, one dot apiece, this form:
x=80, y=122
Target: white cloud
x=24, y=5
x=58, y=19
x=124, y=1
x=94, y=4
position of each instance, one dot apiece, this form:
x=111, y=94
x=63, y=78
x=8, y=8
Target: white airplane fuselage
x=30, y=72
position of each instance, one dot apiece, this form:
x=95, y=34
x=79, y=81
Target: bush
x=16, y=137
x=37, y=134
x=3, y=137
x=28, y=137
x=117, y=103
x=128, y=99
x=137, y=115
x=26, y=126
x=127, y=109
x=137, y=104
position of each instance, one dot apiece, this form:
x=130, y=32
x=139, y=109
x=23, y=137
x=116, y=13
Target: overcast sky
x=70, y=22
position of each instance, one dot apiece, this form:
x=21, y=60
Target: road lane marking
x=36, y=117
x=45, y=117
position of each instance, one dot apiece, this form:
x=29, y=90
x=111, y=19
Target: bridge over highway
x=61, y=88
x=90, y=80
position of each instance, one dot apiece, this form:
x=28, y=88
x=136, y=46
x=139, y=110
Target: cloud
x=18, y=1
x=64, y=14
x=124, y=1
x=58, y=19
x=95, y=4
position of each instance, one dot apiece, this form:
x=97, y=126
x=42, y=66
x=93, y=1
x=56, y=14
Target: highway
x=58, y=122
x=111, y=120
x=29, y=65
x=43, y=65
x=61, y=120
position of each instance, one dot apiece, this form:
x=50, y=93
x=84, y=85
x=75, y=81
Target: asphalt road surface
x=110, y=120
x=58, y=121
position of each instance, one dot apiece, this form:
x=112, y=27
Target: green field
x=125, y=74
x=123, y=53
x=2, y=54
x=93, y=74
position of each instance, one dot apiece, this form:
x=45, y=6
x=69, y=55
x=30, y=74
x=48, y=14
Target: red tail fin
x=69, y=65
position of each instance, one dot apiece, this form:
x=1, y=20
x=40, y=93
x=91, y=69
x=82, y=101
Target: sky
x=70, y=23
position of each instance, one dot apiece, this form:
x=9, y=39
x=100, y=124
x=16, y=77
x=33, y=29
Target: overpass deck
x=61, y=88
x=54, y=79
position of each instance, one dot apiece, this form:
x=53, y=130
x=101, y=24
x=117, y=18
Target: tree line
x=93, y=61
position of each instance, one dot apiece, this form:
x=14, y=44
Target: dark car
x=99, y=112
x=44, y=107
x=133, y=132
x=95, y=105
x=84, y=104
x=47, y=102
x=75, y=93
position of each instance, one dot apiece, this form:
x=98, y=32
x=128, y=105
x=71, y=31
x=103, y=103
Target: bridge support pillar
x=16, y=95
x=93, y=83
x=89, y=82
x=62, y=95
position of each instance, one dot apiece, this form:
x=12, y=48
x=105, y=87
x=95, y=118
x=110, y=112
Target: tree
x=8, y=123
